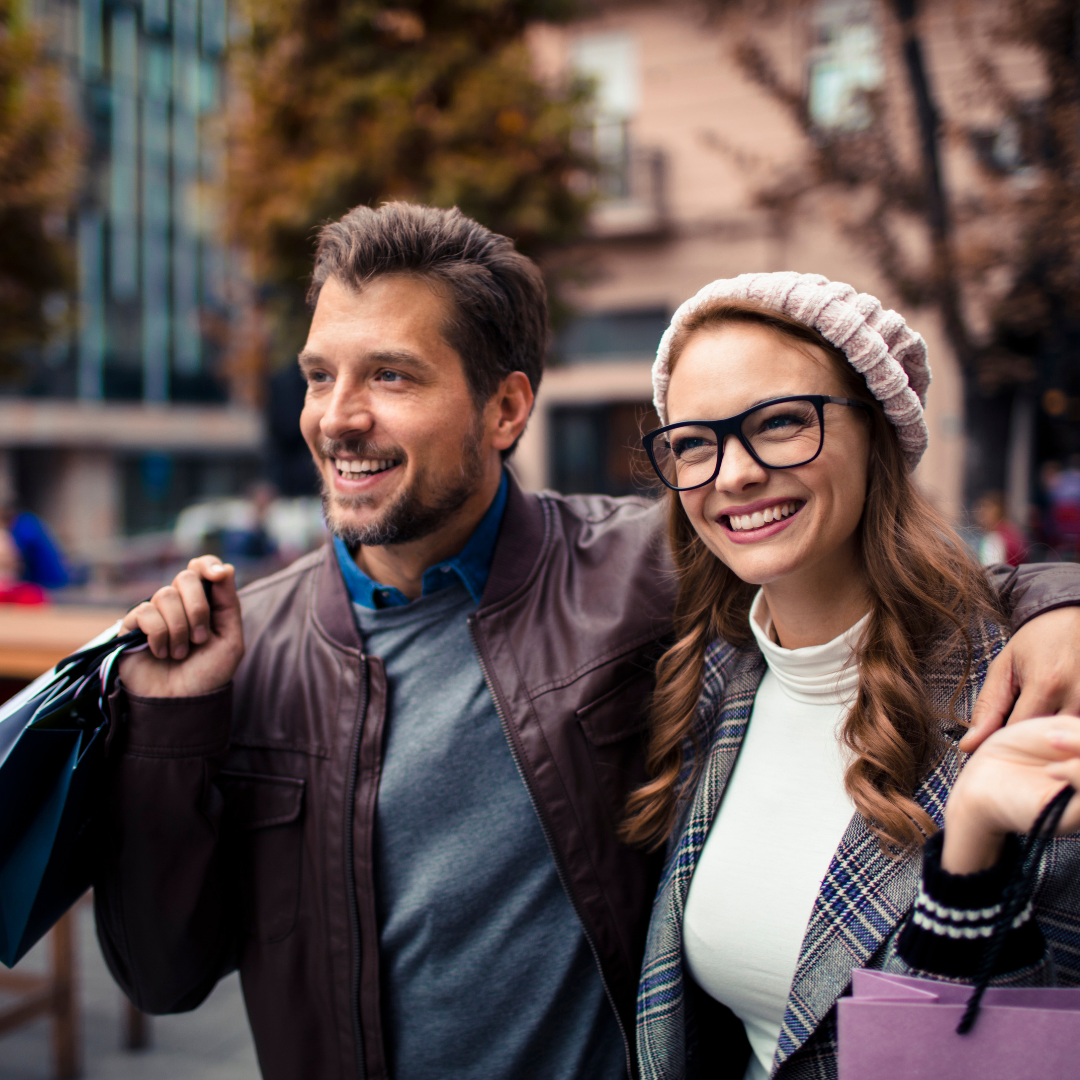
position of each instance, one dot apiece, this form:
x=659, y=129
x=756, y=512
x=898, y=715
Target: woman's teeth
x=363, y=467
x=762, y=517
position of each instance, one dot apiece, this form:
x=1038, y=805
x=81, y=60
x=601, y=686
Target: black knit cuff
x=953, y=919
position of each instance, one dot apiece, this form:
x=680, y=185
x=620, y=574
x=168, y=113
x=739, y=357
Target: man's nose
x=348, y=410
x=738, y=470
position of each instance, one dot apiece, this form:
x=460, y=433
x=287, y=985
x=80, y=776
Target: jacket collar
x=518, y=547
x=522, y=537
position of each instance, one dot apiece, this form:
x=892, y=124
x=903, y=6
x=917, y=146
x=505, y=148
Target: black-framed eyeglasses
x=777, y=434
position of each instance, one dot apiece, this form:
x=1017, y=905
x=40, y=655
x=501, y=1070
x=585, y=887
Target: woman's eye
x=773, y=423
x=686, y=446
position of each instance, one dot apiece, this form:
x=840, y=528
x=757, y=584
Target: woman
x=833, y=634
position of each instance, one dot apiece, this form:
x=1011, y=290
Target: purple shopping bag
x=895, y=1027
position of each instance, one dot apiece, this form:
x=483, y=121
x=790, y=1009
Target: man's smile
x=353, y=475
x=356, y=467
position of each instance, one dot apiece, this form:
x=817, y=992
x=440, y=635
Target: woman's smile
x=759, y=520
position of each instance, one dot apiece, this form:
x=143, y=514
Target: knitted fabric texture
x=889, y=355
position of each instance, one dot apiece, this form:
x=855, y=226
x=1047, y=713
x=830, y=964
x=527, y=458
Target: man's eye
x=389, y=376
x=317, y=377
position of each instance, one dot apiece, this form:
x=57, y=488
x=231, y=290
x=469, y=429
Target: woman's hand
x=195, y=645
x=1004, y=788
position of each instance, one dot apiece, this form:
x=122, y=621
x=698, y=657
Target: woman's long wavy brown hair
x=924, y=583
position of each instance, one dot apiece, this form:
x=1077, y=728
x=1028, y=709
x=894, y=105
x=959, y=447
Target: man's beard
x=413, y=514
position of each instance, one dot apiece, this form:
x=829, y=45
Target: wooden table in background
x=32, y=640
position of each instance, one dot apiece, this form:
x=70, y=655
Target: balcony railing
x=630, y=186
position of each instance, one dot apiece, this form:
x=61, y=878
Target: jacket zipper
x=350, y=874
x=563, y=880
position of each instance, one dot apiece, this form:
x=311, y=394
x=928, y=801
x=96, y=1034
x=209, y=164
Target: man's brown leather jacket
x=239, y=826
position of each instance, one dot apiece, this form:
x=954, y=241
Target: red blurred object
x=1016, y=547
x=21, y=592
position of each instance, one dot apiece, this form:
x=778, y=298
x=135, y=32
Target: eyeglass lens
x=782, y=435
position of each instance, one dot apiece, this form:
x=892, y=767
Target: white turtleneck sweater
x=782, y=817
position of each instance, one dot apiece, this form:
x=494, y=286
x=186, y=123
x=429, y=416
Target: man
x=390, y=792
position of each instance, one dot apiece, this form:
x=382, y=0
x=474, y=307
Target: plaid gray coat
x=864, y=898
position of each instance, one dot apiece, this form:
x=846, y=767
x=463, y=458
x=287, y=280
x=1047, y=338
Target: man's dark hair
x=500, y=314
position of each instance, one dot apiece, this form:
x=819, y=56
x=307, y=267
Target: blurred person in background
x=1001, y=540
x=254, y=540
x=260, y=532
x=12, y=589
x=41, y=557
x=386, y=783
x=1062, y=487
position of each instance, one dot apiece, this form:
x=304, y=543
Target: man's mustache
x=358, y=448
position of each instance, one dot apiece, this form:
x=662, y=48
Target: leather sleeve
x=160, y=894
x=1035, y=588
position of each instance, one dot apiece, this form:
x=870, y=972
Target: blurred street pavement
x=211, y=1043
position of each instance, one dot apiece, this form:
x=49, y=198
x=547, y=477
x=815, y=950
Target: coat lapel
x=724, y=741
x=732, y=679
x=865, y=894
x=862, y=898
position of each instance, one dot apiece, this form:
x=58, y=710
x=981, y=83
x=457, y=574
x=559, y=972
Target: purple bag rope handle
x=1017, y=892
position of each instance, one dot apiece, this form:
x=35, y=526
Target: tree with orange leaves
x=343, y=102
x=38, y=174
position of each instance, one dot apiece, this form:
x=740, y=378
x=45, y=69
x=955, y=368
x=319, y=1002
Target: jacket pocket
x=614, y=725
x=264, y=820
x=618, y=713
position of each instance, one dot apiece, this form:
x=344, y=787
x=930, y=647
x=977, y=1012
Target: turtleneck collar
x=817, y=675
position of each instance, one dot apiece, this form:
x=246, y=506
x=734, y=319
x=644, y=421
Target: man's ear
x=508, y=410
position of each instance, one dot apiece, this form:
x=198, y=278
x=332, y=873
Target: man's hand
x=1036, y=674
x=195, y=646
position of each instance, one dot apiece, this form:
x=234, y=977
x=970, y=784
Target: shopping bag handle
x=133, y=639
x=1017, y=892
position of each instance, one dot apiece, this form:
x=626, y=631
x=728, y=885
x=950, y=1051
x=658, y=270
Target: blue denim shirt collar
x=472, y=564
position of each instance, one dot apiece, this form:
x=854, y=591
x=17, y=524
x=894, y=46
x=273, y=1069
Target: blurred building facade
x=128, y=418
x=125, y=416
x=687, y=140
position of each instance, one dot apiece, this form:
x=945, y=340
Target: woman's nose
x=738, y=470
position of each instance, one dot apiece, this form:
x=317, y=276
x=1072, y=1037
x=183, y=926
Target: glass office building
x=152, y=291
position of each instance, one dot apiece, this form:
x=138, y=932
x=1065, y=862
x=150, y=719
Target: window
x=597, y=448
x=845, y=64
x=613, y=335
x=611, y=61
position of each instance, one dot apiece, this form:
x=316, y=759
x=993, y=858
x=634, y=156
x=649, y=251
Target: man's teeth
x=364, y=467
x=762, y=517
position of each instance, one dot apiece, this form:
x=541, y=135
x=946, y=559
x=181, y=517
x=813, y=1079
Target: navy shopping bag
x=52, y=738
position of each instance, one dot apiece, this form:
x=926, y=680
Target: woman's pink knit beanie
x=877, y=342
